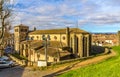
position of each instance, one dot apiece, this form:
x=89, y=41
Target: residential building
x=20, y=34
x=104, y=39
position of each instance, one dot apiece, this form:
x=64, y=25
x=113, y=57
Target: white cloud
x=45, y=14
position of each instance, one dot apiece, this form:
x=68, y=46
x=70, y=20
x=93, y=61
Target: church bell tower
x=20, y=34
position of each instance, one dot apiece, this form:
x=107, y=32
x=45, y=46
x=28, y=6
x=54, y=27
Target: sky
x=90, y=15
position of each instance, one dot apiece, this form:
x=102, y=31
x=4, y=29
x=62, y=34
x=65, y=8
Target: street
x=11, y=72
x=19, y=71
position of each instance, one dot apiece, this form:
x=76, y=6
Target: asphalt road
x=11, y=72
x=19, y=71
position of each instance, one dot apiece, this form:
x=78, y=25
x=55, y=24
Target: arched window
x=63, y=37
x=55, y=37
x=37, y=37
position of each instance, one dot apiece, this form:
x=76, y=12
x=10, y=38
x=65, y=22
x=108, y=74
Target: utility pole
x=45, y=44
x=46, y=50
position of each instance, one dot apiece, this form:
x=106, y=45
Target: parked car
x=5, y=57
x=6, y=64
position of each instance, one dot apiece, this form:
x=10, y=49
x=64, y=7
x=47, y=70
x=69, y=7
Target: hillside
x=107, y=68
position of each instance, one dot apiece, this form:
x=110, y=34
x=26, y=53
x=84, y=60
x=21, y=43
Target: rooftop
x=52, y=49
x=21, y=25
x=58, y=31
x=36, y=44
x=54, y=52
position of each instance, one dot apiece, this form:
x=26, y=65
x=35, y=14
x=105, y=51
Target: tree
x=5, y=13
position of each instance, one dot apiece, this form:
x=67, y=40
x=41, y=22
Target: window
x=16, y=30
x=55, y=37
x=37, y=37
x=21, y=30
x=63, y=37
x=25, y=30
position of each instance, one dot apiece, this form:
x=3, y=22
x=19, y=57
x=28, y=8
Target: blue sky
x=90, y=15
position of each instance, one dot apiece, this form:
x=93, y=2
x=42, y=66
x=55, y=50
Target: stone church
x=61, y=43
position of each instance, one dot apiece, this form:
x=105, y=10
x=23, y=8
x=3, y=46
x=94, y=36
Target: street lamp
x=45, y=44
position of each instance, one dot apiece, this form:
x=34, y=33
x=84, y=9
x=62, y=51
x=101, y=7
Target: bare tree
x=5, y=13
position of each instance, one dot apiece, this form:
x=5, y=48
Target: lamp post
x=46, y=50
x=45, y=44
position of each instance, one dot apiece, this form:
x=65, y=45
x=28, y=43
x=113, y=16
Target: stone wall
x=21, y=62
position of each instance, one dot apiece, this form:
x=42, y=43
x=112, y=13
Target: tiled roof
x=52, y=49
x=54, y=52
x=35, y=44
x=58, y=31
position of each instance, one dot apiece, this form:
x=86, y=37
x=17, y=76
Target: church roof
x=53, y=52
x=36, y=44
x=58, y=31
x=52, y=49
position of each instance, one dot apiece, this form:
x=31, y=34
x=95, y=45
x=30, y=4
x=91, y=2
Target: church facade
x=72, y=40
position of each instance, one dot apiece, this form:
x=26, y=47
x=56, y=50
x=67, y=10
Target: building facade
x=20, y=34
x=104, y=39
x=78, y=40
x=74, y=40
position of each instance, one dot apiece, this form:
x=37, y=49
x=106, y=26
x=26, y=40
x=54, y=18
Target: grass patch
x=108, y=68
